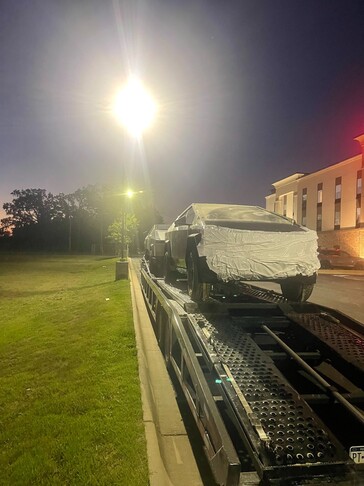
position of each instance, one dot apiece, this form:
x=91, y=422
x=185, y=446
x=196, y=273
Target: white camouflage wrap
x=259, y=255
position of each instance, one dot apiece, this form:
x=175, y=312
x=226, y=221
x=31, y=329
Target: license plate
x=357, y=454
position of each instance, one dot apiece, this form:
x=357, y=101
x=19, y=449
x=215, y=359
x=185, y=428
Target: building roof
x=288, y=179
x=297, y=176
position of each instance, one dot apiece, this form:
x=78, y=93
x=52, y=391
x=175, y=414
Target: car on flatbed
x=154, y=245
x=221, y=243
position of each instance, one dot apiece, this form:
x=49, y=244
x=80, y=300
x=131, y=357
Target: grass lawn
x=70, y=406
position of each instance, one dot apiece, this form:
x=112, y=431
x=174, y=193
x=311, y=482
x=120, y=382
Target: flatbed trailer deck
x=275, y=388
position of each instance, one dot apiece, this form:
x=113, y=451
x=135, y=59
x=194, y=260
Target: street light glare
x=129, y=193
x=135, y=108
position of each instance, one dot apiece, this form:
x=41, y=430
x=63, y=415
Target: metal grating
x=263, y=294
x=296, y=436
x=347, y=344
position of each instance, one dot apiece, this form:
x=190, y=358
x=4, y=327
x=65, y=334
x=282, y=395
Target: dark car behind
x=336, y=258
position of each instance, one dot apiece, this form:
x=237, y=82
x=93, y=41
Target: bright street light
x=135, y=108
x=130, y=193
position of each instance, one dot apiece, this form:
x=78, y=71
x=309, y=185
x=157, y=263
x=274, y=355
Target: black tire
x=325, y=264
x=195, y=287
x=158, y=267
x=168, y=274
x=296, y=291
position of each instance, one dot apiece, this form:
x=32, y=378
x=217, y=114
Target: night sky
x=250, y=91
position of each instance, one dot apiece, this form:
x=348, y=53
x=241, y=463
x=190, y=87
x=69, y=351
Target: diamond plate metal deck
x=346, y=343
x=296, y=435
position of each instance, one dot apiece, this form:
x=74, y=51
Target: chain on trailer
x=268, y=383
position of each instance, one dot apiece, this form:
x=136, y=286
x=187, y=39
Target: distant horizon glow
x=134, y=108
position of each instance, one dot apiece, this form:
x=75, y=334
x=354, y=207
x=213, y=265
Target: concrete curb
x=340, y=271
x=170, y=458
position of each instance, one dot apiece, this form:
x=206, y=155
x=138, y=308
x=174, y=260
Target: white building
x=331, y=201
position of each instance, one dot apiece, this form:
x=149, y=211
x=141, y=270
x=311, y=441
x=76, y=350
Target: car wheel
x=325, y=264
x=167, y=271
x=158, y=268
x=195, y=287
x=296, y=291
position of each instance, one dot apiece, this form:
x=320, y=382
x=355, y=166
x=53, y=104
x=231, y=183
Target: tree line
x=93, y=219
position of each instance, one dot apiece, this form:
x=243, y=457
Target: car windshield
x=216, y=213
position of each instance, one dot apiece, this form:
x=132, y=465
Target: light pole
x=128, y=194
x=135, y=109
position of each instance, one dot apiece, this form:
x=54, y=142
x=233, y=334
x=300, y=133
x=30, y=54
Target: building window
x=304, y=206
x=359, y=185
x=304, y=195
x=358, y=211
x=359, y=179
x=319, y=193
x=337, y=215
x=337, y=188
x=319, y=218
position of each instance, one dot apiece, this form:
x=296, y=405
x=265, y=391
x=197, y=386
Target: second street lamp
x=128, y=194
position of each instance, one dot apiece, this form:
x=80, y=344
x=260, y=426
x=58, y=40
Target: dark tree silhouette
x=29, y=206
x=78, y=222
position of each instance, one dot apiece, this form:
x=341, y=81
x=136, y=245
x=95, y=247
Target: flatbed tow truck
x=275, y=387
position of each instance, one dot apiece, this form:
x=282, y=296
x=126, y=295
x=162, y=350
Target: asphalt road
x=344, y=292
x=340, y=290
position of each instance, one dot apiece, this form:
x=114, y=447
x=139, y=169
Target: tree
x=79, y=214
x=31, y=219
x=143, y=207
x=122, y=231
x=29, y=206
x=94, y=208
x=37, y=219
x=88, y=213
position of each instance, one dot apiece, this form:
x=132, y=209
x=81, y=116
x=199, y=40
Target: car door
x=178, y=237
x=345, y=260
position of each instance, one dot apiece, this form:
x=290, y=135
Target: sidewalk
x=341, y=271
x=170, y=457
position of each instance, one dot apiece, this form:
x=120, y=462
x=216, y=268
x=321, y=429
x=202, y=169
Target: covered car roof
x=235, y=212
x=158, y=232
x=235, y=216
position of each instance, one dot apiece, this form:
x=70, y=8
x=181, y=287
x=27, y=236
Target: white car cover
x=259, y=255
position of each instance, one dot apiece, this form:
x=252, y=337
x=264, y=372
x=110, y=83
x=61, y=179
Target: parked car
x=335, y=258
x=222, y=243
x=154, y=244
